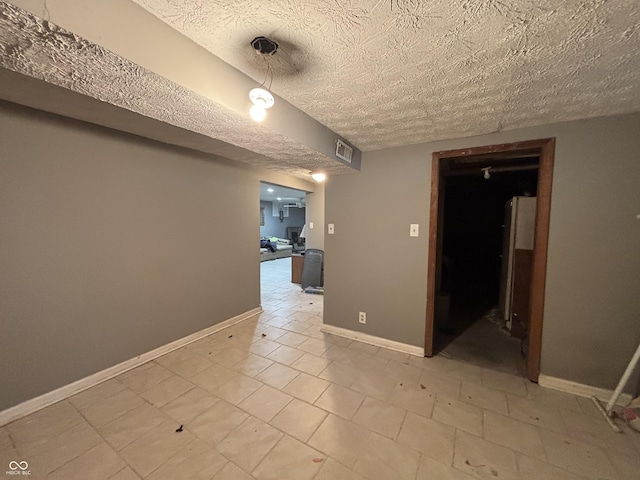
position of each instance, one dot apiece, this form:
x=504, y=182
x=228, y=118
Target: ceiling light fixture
x=270, y=190
x=262, y=98
x=319, y=176
x=487, y=175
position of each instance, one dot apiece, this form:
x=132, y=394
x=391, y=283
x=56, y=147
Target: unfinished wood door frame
x=545, y=148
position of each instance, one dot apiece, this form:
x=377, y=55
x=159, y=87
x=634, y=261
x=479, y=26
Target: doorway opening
x=282, y=218
x=485, y=290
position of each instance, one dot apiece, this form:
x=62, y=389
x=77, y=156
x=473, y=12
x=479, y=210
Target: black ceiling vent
x=264, y=45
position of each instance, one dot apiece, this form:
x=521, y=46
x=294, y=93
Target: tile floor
x=275, y=398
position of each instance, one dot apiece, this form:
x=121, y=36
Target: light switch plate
x=331, y=229
x=310, y=224
x=414, y=230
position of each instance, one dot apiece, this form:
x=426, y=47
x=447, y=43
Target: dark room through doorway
x=472, y=323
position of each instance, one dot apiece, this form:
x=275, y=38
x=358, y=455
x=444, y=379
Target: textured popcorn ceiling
x=391, y=72
x=30, y=46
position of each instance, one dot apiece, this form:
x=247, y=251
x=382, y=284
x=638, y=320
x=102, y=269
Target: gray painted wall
x=591, y=324
x=112, y=245
x=272, y=225
x=315, y=213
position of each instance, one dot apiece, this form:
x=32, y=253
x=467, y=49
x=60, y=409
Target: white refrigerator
x=519, y=229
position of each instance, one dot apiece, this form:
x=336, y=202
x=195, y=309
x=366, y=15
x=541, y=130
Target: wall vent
x=344, y=151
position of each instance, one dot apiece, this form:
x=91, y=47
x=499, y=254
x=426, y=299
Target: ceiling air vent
x=344, y=151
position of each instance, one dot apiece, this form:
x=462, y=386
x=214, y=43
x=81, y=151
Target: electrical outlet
x=414, y=230
x=331, y=229
x=362, y=317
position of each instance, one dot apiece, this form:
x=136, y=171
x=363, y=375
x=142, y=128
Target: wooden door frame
x=545, y=148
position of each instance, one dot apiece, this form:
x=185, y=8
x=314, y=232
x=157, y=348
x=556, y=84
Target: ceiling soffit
x=384, y=73
x=42, y=50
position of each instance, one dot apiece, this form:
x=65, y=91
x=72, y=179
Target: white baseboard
x=580, y=389
x=372, y=340
x=30, y=406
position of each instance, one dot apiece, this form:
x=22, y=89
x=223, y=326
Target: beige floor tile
x=217, y=422
x=432, y=438
x=535, y=469
x=370, y=364
x=484, y=397
x=431, y=469
x=315, y=346
x=232, y=472
x=292, y=339
x=340, y=439
x=340, y=401
x=213, y=377
x=332, y=470
x=385, y=459
x=296, y=326
x=588, y=407
x=289, y=460
x=597, y=431
x=374, y=385
x=340, y=373
x=132, y=425
x=96, y=464
x=277, y=375
x=263, y=347
x=482, y=459
x=73, y=442
x=380, y=417
x=393, y=355
x=42, y=426
x=413, y=398
x=311, y=364
x=136, y=370
x=465, y=371
x=402, y=372
x=277, y=321
x=578, y=457
x=440, y=383
x=503, y=381
x=265, y=403
x=302, y=315
x=153, y=448
x=628, y=466
x=167, y=391
x=537, y=414
x=230, y=356
x=196, y=461
x=306, y=387
x=458, y=414
x=125, y=474
x=108, y=410
x=184, y=362
x=519, y=436
x=252, y=365
x=237, y=388
x=363, y=348
x=340, y=353
x=553, y=398
x=248, y=444
x=285, y=355
x=273, y=333
x=299, y=419
x=95, y=394
x=145, y=378
x=205, y=347
x=189, y=405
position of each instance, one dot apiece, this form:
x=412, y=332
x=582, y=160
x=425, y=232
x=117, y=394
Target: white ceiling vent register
x=344, y=151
